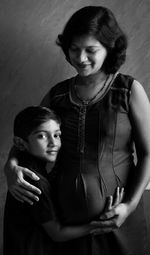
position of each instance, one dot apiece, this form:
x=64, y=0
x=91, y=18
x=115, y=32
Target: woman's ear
x=20, y=143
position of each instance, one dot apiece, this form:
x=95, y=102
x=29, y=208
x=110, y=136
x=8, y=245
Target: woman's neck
x=87, y=89
x=91, y=81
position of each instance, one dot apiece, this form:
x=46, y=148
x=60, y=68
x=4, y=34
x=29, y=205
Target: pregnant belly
x=80, y=198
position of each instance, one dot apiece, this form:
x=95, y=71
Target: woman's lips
x=83, y=66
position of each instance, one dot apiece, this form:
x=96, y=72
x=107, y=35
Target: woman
x=102, y=113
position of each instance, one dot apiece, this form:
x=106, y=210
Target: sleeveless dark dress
x=96, y=157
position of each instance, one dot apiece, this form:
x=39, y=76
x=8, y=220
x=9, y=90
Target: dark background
x=31, y=63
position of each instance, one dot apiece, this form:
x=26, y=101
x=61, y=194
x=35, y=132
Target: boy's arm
x=61, y=233
x=19, y=188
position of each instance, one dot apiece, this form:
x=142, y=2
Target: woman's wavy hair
x=99, y=22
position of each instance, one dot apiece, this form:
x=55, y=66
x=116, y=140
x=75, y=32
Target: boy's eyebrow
x=37, y=131
x=45, y=131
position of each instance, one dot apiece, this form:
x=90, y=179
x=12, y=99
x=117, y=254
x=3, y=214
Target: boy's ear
x=20, y=143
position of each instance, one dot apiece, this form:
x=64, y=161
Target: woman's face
x=87, y=55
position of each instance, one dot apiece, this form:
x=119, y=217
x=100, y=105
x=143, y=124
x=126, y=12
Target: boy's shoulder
x=42, y=183
x=38, y=167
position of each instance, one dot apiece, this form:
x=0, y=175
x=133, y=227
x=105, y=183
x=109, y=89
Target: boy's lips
x=52, y=151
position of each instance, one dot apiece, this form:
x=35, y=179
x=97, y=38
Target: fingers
x=103, y=224
x=108, y=205
x=16, y=196
x=26, y=199
x=110, y=202
x=27, y=193
x=30, y=174
x=22, y=198
x=121, y=194
x=26, y=185
x=106, y=225
x=29, y=187
x=23, y=195
x=113, y=201
x=118, y=197
x=100, y=231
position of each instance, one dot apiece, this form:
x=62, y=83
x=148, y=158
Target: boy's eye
x=42, y=136
x=57, y=135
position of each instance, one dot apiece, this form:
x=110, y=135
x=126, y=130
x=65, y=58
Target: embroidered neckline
x=88, y=101
x=72, y=91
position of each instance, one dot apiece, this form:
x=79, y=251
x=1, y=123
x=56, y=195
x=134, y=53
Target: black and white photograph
x=75, y=127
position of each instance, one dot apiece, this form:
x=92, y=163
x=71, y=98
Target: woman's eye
x=91, y=51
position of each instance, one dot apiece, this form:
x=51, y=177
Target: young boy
x=27, y=228
x=31, y=229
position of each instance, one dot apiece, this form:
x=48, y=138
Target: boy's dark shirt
x=23, y=233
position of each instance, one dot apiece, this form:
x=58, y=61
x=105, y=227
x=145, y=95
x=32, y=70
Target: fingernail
x=36, y=177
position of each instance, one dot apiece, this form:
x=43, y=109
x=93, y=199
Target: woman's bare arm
x=140, y=119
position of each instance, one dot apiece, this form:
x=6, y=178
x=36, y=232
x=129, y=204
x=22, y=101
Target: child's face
x=87, y=55
x=44, y=142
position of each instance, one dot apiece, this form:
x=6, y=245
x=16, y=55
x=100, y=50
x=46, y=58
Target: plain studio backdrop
x=31, y=63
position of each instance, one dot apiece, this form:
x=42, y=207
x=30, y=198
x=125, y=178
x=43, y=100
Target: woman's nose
x=82, y=56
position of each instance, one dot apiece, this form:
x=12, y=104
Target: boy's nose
x=52, y=141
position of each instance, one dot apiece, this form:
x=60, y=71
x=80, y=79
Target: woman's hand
x=113, y=201
x=115, y=213
x=115, y=217
x=18, y=186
